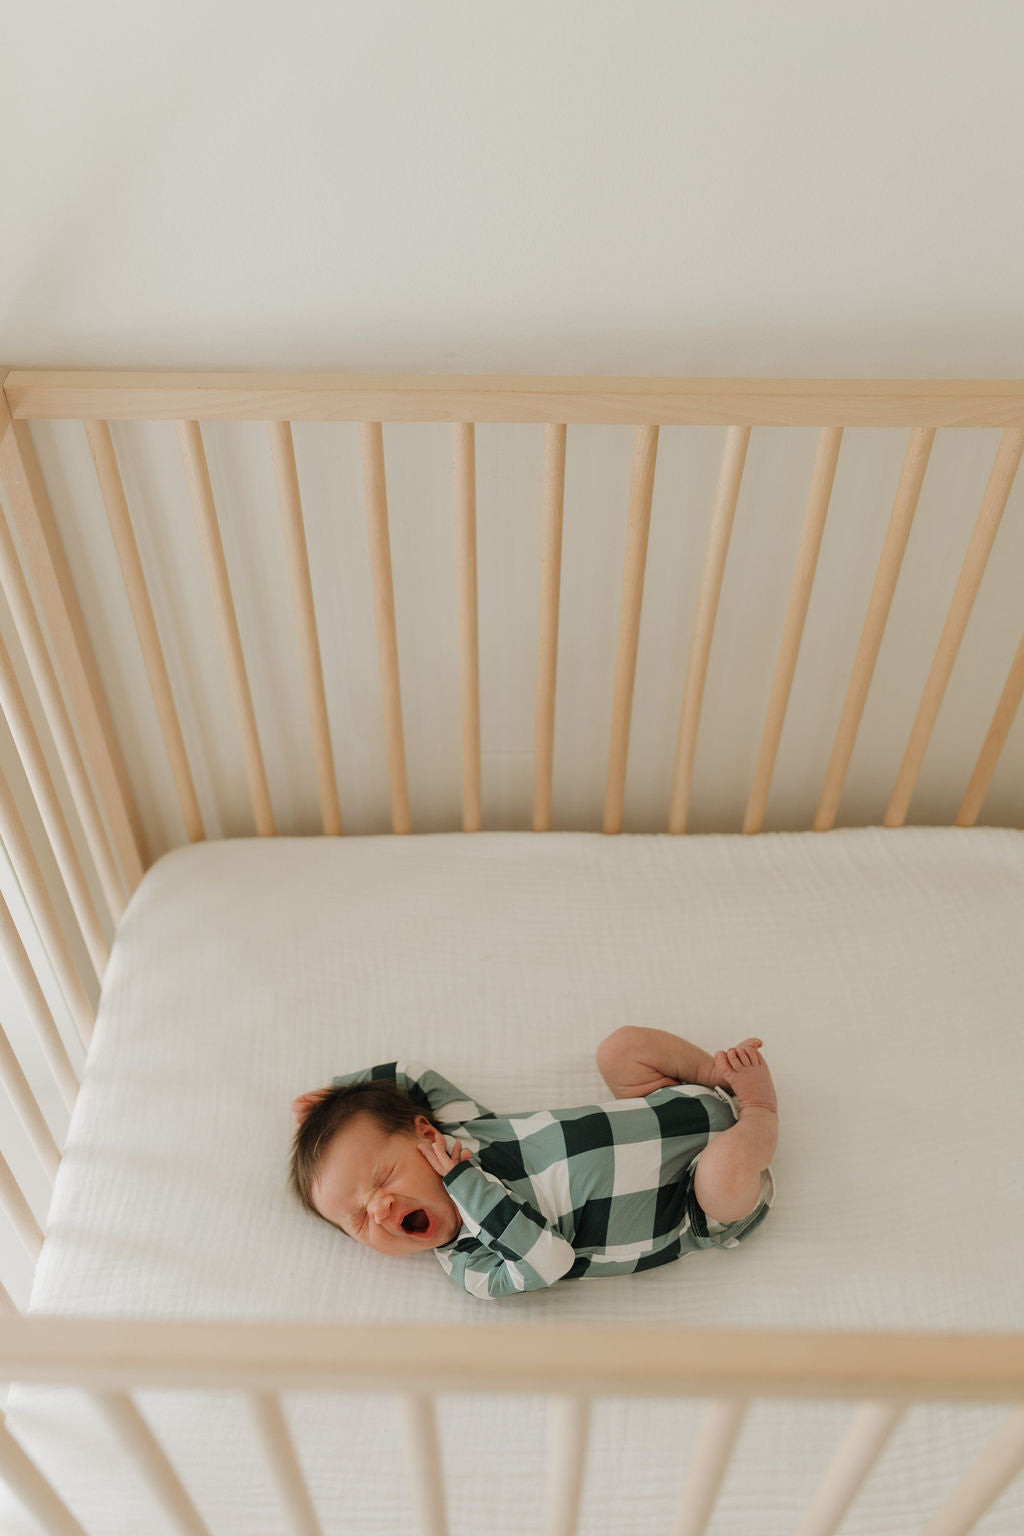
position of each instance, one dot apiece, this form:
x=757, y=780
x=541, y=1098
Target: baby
x=679, y=1160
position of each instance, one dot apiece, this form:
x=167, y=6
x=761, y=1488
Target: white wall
x=788, y=188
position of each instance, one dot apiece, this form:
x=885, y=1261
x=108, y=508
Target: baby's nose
x=381, y=1207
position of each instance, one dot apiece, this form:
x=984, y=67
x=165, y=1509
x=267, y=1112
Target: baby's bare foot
x=743, y=1069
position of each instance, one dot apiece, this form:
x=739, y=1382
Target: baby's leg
x=727, y=1181
x=634, y=1062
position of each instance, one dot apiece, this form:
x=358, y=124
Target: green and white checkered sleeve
x=427, y=1088
x=511, y=1247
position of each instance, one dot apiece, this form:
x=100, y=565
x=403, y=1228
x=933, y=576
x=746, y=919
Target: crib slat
x=371, y=441
x=908, y=492
x=726, y=497
x=30, y=753
x=568, y=1427
x=36, y=1006
x=822, y=479
x=198, y=474
x=27, y=1106
x=638, y=525
x=17, y=1207
x=7, y=1307
x=151, y=1460
x=284, y=1464
x=994, y=1470
x=868, y=1436
x=24, y=1478
x=43, y=912
x=993, y=504
x=1006, y=709
x=102, y=448
x=712, y=1454
x=29, y=507
x=464, y=454
x=424, y=1456
x=50, y=697
x=552, y=502
x=282, y=449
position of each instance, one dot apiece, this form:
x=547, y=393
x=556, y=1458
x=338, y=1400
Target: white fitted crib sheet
x=884, y=970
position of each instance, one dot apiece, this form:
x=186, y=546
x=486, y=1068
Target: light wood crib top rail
x=101, y=1354
x=168, y=395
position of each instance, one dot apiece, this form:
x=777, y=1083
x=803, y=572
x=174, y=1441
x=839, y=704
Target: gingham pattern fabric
x=557, y=1194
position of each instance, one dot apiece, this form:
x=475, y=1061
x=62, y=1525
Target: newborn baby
x=678, y=1160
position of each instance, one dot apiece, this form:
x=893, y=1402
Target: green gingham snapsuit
x=556, y=1194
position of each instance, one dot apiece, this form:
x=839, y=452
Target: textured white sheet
x=884, y=971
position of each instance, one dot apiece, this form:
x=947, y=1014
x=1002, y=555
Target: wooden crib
x=124, y=829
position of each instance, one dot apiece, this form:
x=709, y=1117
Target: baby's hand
x=306, y=1102
x=437, y=1155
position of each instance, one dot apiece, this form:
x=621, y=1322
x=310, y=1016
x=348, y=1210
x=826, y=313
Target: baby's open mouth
x=416, y=1221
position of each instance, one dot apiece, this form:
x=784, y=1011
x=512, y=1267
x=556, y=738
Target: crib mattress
x=884, y=971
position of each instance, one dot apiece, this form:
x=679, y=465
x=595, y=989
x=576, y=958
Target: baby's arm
x=484, y=1272
x=514, y=1250
x=425, y=1087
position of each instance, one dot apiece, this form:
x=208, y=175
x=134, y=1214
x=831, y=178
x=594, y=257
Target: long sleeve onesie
x=598, y=1189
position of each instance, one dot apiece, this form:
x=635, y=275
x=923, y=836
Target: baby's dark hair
x=386, y=1103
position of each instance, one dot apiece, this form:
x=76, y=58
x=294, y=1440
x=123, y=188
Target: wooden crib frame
x=887, y=1372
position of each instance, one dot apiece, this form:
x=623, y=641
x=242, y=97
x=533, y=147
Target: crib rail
x=885, y=1373
x=107, y=1354
x=120, y=395
x=832, y=405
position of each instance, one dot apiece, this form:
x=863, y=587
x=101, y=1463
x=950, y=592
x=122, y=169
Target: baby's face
x=371, y=1181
